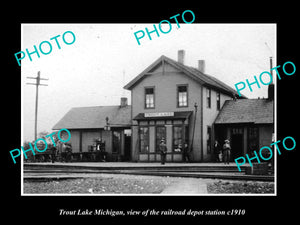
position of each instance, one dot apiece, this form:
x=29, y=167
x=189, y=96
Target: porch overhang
x=179, y=115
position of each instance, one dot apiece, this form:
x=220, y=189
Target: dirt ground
x=247, y=187
x=130, y=184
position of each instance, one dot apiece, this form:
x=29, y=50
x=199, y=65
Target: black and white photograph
x=109, y=116
x=131, y=114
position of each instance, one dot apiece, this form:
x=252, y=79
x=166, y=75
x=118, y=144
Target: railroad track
x=70, y=172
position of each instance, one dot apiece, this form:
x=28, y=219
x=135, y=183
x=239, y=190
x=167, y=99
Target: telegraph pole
x=271, y=59
x=192, y=142
x=37, y=84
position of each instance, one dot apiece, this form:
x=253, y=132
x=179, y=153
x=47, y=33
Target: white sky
x=90, y=71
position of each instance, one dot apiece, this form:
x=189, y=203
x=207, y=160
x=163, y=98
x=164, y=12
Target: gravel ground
x=130, y=184
x=233, y=187
x=104, y=184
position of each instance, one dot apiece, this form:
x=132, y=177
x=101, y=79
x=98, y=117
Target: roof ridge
x=246, y=111
x=93, y=117
x=96, y=106
x=192, y=72
x=220, y=83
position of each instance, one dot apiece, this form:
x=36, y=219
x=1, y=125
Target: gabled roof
x=258, y=111
x=193, y=73
x=95, y=117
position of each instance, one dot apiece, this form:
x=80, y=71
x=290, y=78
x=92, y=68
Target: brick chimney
x=201, y=65
x=181, y=54
x=123, y=102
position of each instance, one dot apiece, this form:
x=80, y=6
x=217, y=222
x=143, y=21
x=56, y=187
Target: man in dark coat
x=68, y=150
x=226, y=151
x=53, y=154
x=186, y=153
x=217, y=151
x=163, y=151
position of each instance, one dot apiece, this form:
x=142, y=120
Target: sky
x=105, y=57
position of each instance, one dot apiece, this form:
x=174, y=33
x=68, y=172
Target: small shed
x=110, y=125
x=247, y=123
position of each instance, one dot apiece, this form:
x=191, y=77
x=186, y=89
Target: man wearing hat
x=226, y=151
x=163, y=151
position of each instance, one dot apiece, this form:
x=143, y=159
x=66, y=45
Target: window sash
x=218, y=100
x=208, y=97
x=149, y=98
x=144, y=139
x=178, y=138
x=182, y=96
x=149, y=101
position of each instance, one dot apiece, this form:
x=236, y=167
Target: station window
x=144, y=139
x=218, y=100
x=149, y=98
x=182, y=96
x=178, y=138
x=208, y=97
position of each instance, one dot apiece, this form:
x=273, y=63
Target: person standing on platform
x=226, y=152
x=186, y=153
x=163, y=151
x=217, y=151
x=53, y=154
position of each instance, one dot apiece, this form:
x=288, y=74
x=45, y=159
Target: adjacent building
x=109, y=126
x=247, y=123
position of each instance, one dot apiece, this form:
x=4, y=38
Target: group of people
x=67, y=152
x=222, y=154
x=163, y=152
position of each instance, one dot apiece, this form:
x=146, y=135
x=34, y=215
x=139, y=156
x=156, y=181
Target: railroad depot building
x=177, y=103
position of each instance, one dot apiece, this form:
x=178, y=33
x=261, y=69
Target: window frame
x=148, y=139
x=218, y=100
x=145, y=98
x=187, y=95
x=182, y=127
x=208, y=98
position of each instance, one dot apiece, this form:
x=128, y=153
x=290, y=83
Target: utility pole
x=37, y=84
x=271, y=59
x=192, y=142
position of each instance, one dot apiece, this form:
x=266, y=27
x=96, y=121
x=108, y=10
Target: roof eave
x=135, y=80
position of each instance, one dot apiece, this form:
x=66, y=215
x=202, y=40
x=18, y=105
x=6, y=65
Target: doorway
x=116, y=148
x=160, y=135
x=127, y=145
x=237, y=142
